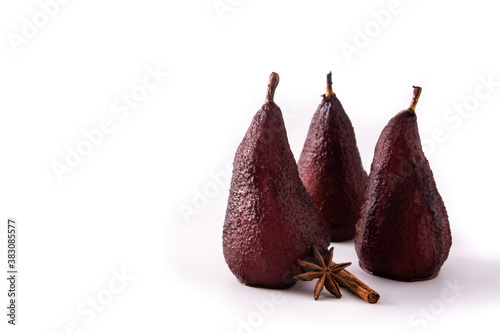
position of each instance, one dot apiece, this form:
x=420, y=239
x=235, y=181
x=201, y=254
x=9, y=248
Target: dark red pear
x=330, y=167
x=403, y=232
x=271, y=220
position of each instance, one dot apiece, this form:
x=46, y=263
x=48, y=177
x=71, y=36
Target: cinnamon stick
x=356, y=286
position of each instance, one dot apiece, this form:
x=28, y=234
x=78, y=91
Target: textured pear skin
x=330, y=168
x=271, y=220
x=403, y=232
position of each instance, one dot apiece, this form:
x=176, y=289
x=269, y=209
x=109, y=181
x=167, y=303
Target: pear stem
x=274, y=79
x=414, y=100
x=329, y=91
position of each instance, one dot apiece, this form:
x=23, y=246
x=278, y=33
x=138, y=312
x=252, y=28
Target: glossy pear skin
x=403, y=232
x=330, y=168
x=271, y=220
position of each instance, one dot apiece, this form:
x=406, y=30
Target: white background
x=120, y=208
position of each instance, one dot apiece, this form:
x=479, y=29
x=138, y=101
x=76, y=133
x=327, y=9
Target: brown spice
x=331, y=275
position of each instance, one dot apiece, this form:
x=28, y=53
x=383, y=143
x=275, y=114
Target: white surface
x=120, y=208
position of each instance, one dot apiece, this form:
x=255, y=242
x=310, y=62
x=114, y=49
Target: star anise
x=328, y=274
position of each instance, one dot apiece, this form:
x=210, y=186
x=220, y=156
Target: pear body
x=403, y=232
x=331, y=169
x=271, y=220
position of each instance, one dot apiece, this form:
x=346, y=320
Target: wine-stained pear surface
x=403, y=232
x=331, y=169
x=271, y=220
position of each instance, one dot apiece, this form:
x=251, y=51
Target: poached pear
x=271, y=220
x=403, y=232
x=330, y=167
